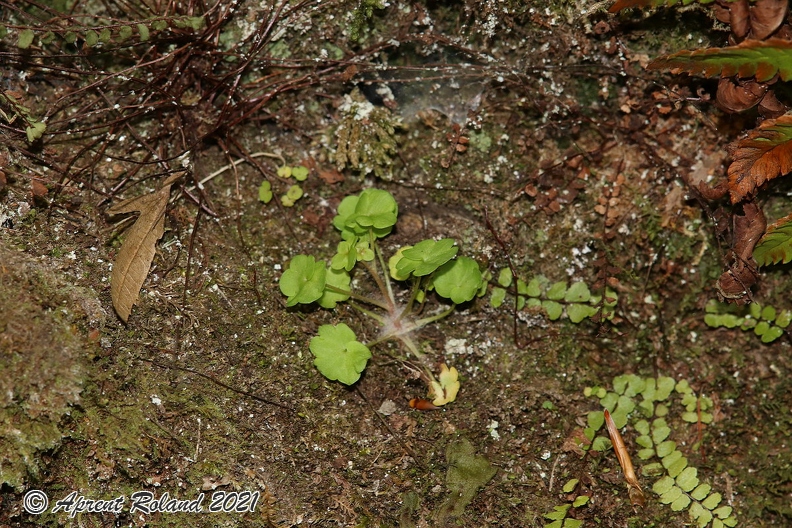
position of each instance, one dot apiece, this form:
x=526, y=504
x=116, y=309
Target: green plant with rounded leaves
x=652, y=407
x=766, y=322
x=429, y=265
x=294, y=192
x=556, y=299
x=559, y=517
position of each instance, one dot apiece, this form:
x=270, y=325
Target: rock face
x=41, y=360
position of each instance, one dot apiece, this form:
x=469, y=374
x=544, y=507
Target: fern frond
x=624, y=4
x=762, y=59
x=776, y=244
x=765, y=153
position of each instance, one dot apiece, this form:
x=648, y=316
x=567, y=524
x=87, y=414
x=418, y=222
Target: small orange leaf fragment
x=423, y=405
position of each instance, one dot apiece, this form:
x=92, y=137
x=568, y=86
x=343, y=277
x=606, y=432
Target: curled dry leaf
x=767, y=16
x=736, y=95
x=735, y=283
x=739, y=18
x=134, y=258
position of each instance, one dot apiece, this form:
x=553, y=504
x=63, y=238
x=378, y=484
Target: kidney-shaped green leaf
x=304, y=281
x=339, y=355
x=458, y=280
x=426, y=256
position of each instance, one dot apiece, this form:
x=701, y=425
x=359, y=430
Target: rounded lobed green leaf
x=427, y=256
x=663, y=485
x=363, y=251
x=642, y=426
x=670, y=457
x=458, y=280
x=671, y=495
x=265, y=192
x=683, y=387
x=784, y=318
x=712, y=501
x=394, y=273
x=654, y=469
x=647, y=408
x=124, y=32
x=373, y=209
x=688, y=479
x=338, y=279
x=505, y=277
x=497, y=297
x=578, y=312
x=91, y=38
x=294, y=193
x=300, y=172
x=570, y=485
x=557, y=291
x=285, y=171
x=577, y=292
x=677, y=467
x=682, y=502
x=601, y=444
x=664, y=387
x=701, y=491
x=532, y=289
x=580, y=500
x=558, y=513
x=659, y=434
x=609, y=401
x=304, y=281
x=768, y=313
x=345, y=257
x=339, y=355
x=596, y=419
x=25, y=38
x=701, y=515
x=553, y=309
x=645, y=441
x=773, y=333
x=646, y=454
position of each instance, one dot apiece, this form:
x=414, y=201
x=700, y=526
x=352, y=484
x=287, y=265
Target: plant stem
x=426, y=320
x=383, y=266
x=385, y=291
x=416, y=282
x=361, y=298
x=377, y=317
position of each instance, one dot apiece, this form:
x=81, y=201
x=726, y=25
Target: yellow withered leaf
x=134, y=258
x=445, y=391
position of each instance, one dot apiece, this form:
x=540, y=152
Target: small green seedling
x=765, y=321
x=429, y=265
x=556, y=299
x=559, y=517
x=652, y=407
x=294, y=193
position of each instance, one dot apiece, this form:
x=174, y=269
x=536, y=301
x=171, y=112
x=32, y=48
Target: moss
x=366, y=136
x=40, y=358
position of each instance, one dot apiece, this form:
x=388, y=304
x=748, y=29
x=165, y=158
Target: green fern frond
x=751, y=58
x=776, y=244
x=624, y=4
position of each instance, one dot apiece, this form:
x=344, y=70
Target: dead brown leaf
x=134, y=258
x=765, y=153
x=767, y=16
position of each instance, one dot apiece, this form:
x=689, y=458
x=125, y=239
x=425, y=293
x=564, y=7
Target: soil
x=572, y=166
